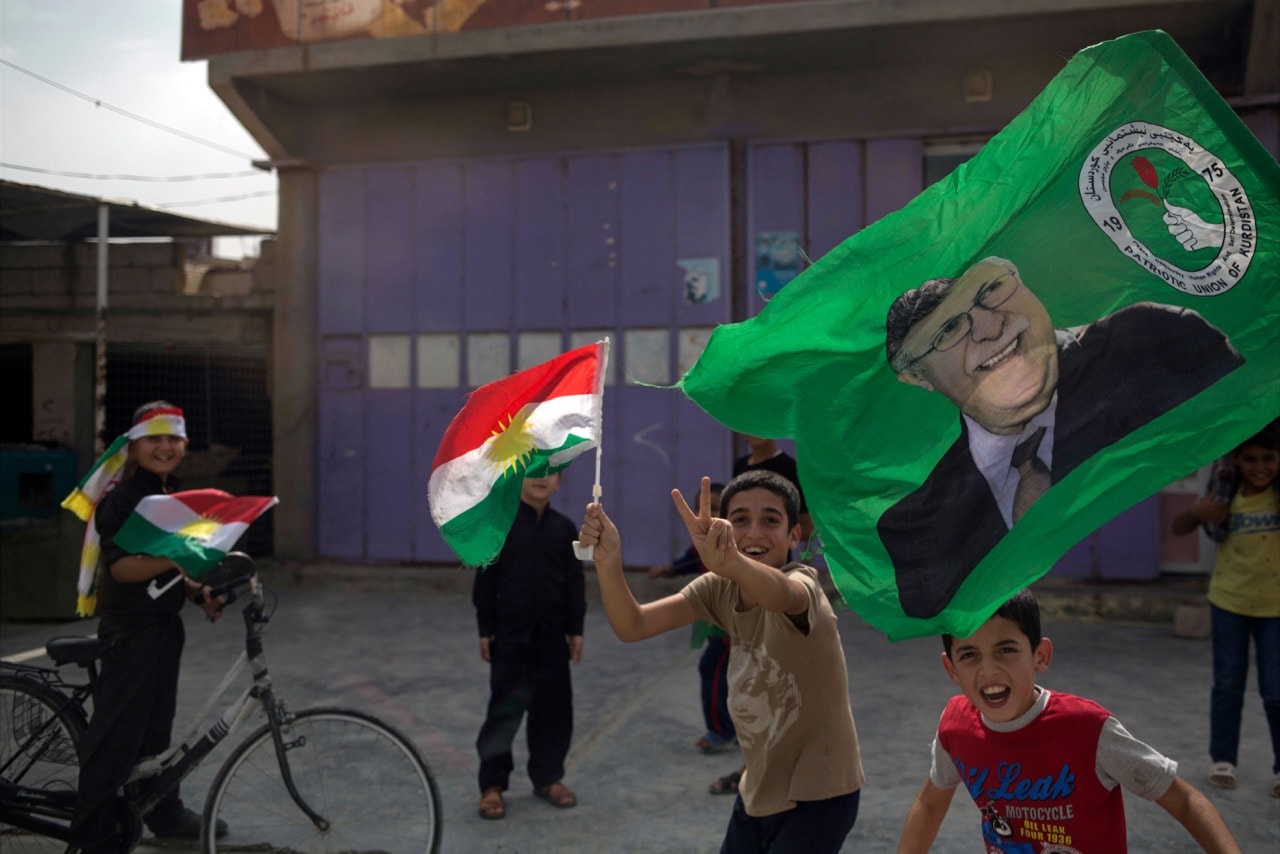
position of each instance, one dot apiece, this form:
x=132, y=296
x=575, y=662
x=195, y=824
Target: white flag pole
x=580, y=551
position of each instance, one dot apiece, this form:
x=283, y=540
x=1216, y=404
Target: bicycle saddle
x=73, y=650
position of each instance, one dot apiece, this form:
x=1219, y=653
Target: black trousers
x=811, y=827
x=532, y=678
x=133, y=710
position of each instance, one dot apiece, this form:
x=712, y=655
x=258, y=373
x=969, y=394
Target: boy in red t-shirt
x=1045, y=769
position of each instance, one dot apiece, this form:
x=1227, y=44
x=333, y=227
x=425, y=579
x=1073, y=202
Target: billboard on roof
x=211, y=27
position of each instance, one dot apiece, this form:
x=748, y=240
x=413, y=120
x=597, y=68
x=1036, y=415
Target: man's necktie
x=1034, y=474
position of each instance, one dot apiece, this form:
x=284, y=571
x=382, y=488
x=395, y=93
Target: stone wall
x=48, y=299
x=49, y=292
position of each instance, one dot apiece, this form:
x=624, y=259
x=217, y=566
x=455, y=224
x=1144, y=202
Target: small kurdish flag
x=195, y=528
x=530, y=424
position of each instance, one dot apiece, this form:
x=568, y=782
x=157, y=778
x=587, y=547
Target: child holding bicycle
x=141, y=634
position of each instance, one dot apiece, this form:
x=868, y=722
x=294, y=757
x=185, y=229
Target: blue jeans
x=1231, y=633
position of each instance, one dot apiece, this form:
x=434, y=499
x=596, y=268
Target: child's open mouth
x=995, y=695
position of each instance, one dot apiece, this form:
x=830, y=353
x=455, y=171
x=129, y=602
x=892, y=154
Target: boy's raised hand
x=713, y=538
x=1210, y=509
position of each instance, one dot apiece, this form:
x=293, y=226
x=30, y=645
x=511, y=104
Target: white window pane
x=648, y=359
x=693, y=340
x=438, y=361
x=488, y=357
x=388, y=361
x=584, y=337
x=534, y=348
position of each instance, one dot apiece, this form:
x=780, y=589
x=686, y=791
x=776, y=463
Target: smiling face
x=996, y=668
x=159, y=455
x=1259, y=466
x=1004, y=370
x=759, y=520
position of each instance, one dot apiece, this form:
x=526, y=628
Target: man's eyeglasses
x=991, y=295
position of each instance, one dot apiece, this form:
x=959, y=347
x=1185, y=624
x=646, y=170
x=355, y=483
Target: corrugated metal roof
x=38, y=213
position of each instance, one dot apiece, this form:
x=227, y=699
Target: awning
x=39, y=213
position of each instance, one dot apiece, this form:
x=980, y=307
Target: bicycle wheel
x=361, y=776
x=40, y=737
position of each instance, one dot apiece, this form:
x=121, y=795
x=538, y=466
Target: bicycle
x=322, y=779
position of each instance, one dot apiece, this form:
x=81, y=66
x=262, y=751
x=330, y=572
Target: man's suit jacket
x=1118, y=374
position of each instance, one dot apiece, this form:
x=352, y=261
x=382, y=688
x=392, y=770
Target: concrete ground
x=402, y=645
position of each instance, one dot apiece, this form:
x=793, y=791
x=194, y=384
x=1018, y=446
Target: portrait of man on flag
x=1034, y=403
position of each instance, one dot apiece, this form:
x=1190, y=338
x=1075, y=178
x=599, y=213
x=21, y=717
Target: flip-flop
x=491, y=805
x=714, y=744
x=558, y=795
x=1222, y=775
x=726, y=785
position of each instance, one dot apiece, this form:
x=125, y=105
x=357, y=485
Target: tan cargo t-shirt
x=788, y=695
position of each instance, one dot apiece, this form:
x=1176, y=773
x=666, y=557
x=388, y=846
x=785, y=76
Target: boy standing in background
x=530, y=606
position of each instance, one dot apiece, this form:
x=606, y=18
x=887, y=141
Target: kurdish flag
x=195, y=528
x=530, y=424
x=1122, y=237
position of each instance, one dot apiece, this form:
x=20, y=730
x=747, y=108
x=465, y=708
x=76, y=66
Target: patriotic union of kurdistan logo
x=1172, y=206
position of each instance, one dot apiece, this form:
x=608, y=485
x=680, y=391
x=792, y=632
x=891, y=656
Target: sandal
x=491, y=804
x=558, y=795
x=711, y=743
x=1222, y=775
x=726, y=785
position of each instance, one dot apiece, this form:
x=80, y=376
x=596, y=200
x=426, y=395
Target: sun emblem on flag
x=201, y=529
x=512, y=444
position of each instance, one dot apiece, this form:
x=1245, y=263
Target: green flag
x=1085, y=311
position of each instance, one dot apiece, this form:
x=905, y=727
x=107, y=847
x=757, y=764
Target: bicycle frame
x=176, y=763
x=28, y=808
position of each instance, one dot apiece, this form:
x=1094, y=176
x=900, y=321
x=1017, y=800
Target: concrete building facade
x=458, y=205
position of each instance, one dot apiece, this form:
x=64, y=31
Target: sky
x=123, y=53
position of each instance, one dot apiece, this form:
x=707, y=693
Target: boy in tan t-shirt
x=788, y=687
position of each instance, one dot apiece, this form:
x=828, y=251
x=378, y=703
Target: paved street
x=402, y=645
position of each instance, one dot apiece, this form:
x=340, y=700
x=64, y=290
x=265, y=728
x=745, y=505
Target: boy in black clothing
x=530, y=606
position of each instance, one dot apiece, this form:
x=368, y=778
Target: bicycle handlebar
x=235, y=572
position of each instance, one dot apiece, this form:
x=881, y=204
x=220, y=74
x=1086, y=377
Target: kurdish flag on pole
x=530, y=424
x=1102, y=280
x=195, y=528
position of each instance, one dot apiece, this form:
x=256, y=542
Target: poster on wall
x=778, y=258
x=211, y=27
x=701, y=281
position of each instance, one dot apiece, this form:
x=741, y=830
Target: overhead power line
x=97, y=102
x=252, y=173
x=217, y=200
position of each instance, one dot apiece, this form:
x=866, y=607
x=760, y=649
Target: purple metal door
x=435, y=277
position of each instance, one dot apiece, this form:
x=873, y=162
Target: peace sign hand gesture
x=713, y=538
